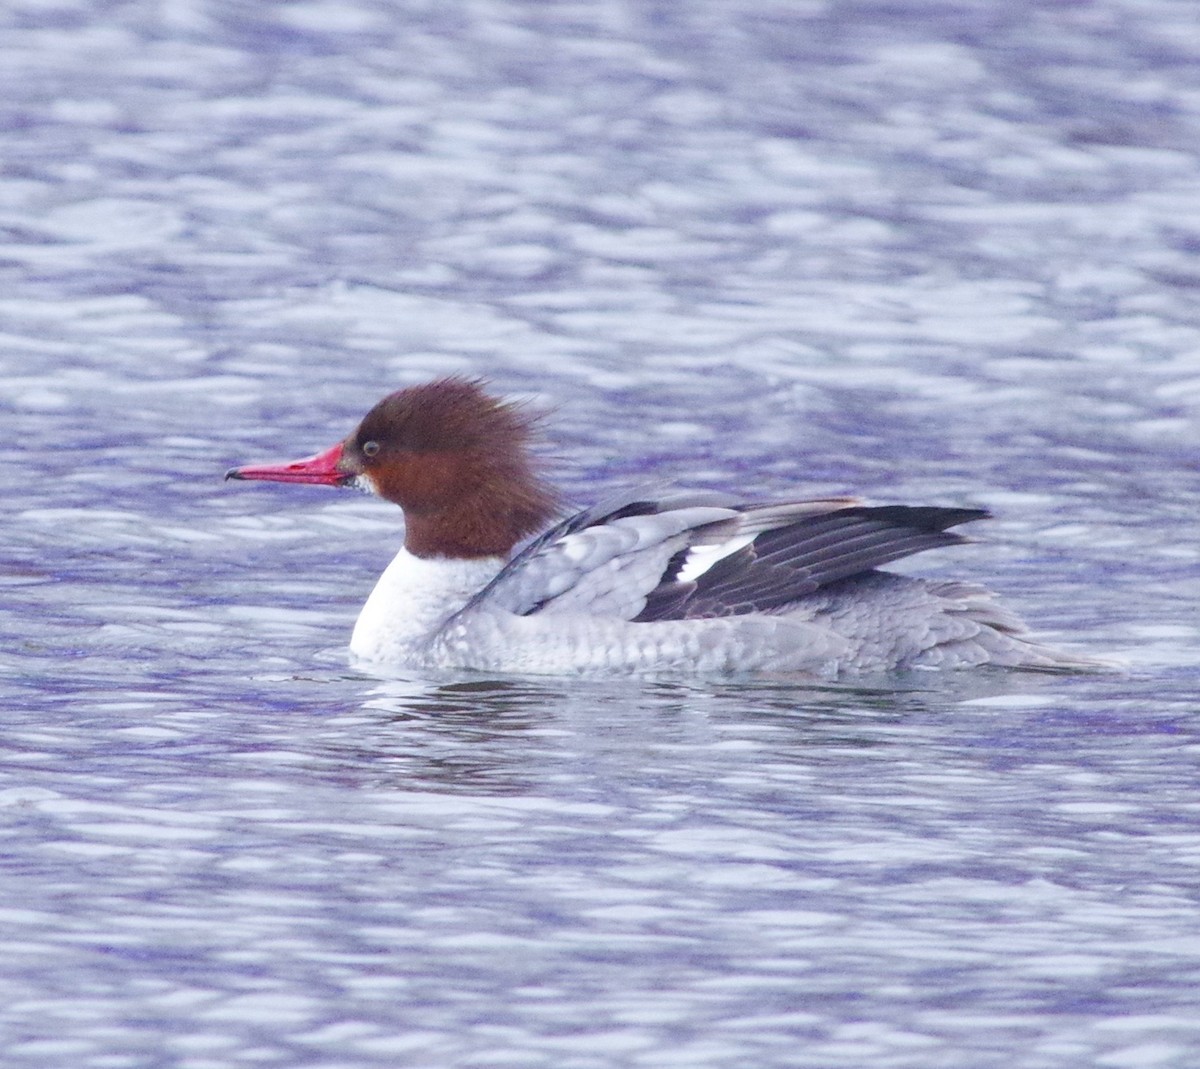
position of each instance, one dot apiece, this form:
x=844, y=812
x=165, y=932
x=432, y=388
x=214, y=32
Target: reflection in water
x=474, y=735
x=524, y=734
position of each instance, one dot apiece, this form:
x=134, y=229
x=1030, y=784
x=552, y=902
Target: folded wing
x=700, y=556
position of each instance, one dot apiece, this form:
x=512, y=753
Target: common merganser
x=688, y=582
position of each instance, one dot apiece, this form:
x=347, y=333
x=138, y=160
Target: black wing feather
x=785, y=563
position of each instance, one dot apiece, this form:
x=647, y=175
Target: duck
x=494, y=574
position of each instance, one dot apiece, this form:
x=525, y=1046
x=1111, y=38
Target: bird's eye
x=370, y=449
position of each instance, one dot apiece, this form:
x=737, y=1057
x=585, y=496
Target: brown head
x=453, y=458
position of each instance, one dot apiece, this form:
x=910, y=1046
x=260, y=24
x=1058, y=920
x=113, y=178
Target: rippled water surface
x=933, y=252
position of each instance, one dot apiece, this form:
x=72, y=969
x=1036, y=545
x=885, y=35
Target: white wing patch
x=701, y=558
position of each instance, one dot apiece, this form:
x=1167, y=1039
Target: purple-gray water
x=931, y=252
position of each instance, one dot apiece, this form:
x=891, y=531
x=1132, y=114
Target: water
x=930, y=252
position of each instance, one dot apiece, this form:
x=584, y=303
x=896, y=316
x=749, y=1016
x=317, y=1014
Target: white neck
x=412, y=600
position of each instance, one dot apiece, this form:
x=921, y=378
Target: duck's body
x=645, y=583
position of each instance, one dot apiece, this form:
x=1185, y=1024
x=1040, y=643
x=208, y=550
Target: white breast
x=411, y=601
